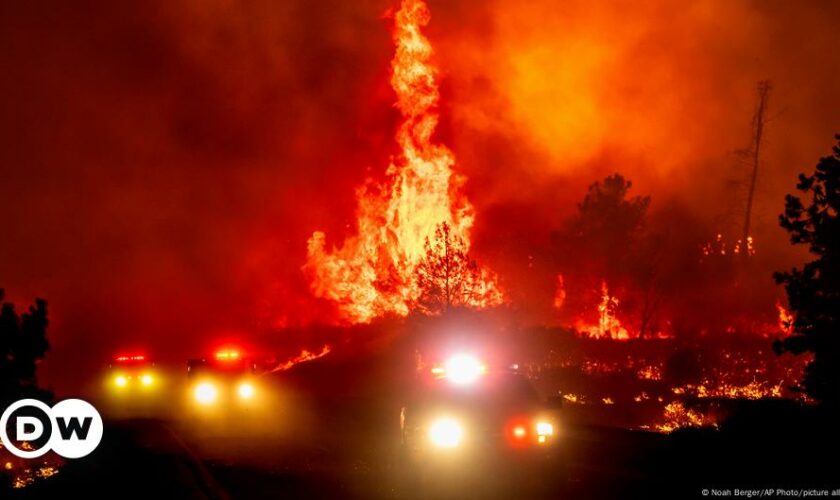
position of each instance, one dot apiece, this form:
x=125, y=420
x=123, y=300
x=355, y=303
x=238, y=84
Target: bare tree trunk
x=447, y=270
x=758, y=123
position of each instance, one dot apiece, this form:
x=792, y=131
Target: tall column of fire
x=373, y=273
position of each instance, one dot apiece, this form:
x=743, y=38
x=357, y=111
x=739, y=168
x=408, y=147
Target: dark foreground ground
x=350, y=451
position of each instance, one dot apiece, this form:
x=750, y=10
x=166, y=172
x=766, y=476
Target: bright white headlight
x=205, y=393
x=246, y=390
x=545, y=429
x=446, y=433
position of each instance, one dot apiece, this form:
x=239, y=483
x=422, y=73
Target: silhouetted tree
x=23, y=342
x=446, y=276
x=603, y=241
x=814, y=291
x=607, y=221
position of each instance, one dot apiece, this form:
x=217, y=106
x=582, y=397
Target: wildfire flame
x=609, y=326
x=572, y=398
x=373, y=273
x=785, y=319
x=723, y=389
x=650, y=372
x=677, y=415
x=303, y=357
x=718, y=247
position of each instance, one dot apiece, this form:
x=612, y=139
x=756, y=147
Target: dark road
x=157, y=459
x=153, y=458
x=304, y=437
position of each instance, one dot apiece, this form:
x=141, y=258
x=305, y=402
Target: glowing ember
x=22, y=473
x=749, y=248
x=597, y=367
x=373, y=273
x=650, y=372
x=303, y=357
x=572, y=398
x=719, y=247
x=677, y=416
x=751, y=390
x=716, y=247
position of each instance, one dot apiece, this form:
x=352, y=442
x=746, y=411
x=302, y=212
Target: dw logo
x=72, y=428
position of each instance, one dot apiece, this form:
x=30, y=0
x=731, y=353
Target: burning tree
x=372, y=274
x=814, y=291
x=448, y=277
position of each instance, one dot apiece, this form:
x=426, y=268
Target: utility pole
x=758, y=131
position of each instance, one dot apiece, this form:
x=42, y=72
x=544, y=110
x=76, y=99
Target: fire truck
x=466, y=409
x=225, y=380
x=131, y=375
